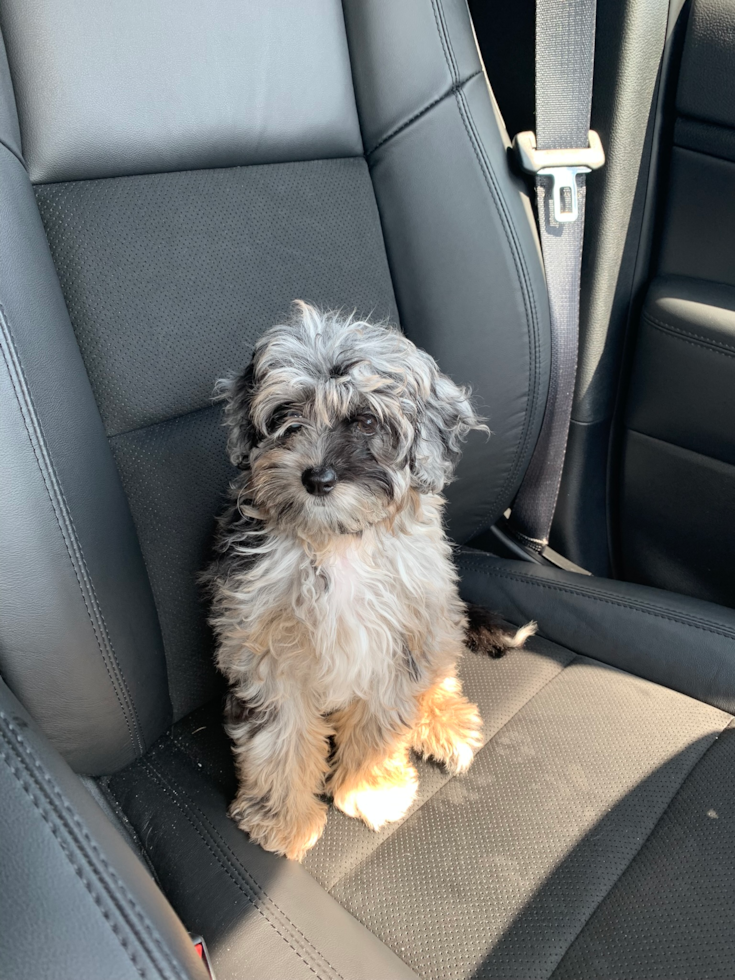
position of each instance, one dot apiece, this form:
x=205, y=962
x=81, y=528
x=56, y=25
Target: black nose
x=319, y=480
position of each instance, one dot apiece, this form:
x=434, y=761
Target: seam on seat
x=358, y=155
x=668, y=806
x=649, y=609
x=572, y=659
x=677, y=445
x=172, y=418
x=250, y=887
x=12, y=152
x=524, y=281
x=86, y=848
x=441, y=27
x=421, y=112
x=68, y=531
x=716, y=346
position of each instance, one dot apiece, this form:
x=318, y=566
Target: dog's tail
x=491, y=635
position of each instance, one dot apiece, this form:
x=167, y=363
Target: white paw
x=378, y=807
x=461, y=758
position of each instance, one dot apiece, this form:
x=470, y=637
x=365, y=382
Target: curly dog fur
x=335, y=600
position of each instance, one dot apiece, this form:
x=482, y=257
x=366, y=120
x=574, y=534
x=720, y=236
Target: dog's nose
x=319, y=480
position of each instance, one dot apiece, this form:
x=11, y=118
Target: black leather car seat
x=172, y=176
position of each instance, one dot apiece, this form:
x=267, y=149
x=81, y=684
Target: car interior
x=173, y=175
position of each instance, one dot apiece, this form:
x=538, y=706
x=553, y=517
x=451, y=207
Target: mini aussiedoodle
x=335, y=599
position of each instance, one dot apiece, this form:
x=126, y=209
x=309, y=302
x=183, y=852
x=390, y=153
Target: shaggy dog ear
x=444, y=420
x=237, y=395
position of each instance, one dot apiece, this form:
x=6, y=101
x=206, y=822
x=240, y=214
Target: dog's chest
x=359, y=624
x=368, y=602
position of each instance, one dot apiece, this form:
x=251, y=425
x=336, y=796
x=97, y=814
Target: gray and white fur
x=335, y=603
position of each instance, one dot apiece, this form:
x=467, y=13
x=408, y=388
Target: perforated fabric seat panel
x=156, y=267
x=169, y=280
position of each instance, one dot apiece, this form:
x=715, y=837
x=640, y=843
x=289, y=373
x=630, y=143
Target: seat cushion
x=589, y=781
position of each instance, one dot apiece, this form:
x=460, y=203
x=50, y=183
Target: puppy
x=335, y=602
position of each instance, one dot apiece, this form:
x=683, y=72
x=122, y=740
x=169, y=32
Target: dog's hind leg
x=281, y=758
x=372, y=777
x=449, y=727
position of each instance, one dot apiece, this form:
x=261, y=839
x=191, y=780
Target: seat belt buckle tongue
x=566, y=207
x=562, y=166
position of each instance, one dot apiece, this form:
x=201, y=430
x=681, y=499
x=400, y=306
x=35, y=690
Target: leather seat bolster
x=79, y=637
x=87, y=908
x=673, y=640
x=459, y=232
x=408, y=41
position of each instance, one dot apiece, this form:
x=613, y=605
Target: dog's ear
x=237, y=395
x=445, y=418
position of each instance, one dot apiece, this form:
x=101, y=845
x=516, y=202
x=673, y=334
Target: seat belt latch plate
x=564, y=190
x=562, y=166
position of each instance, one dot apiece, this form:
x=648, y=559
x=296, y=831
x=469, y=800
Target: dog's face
x=336, y=420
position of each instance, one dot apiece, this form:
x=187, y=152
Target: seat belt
x=559, y=154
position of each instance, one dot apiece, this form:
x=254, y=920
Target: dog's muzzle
x=319, y=480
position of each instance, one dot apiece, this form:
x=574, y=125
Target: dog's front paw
x=382, y=797
x=459, y=758
x=290, y=832
x=449, y=729
x=460, y=739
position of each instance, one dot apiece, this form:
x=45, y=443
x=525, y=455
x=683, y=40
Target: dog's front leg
x=281, y=756
x=448, y=728
x=372, y=777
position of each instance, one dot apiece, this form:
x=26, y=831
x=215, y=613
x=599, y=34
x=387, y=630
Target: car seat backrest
x=176, y=175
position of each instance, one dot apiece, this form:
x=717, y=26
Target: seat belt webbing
x=560, y=153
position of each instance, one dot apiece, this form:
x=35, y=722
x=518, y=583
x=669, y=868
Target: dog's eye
x=366, y=423
x=292, y=422
x=285, y=421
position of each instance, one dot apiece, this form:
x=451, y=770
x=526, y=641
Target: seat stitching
x=68, y=532
x=444, y=40
x=350, y=871
x=249, y=894
x=76, y=868
x=660, y=612
x=53, y=790
x=668, y=806
x=80, y=836
x=253, y=891
x=697, y=340
x=710, y=347
x=529, y=299
x=421, y=113
x=441, y=28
